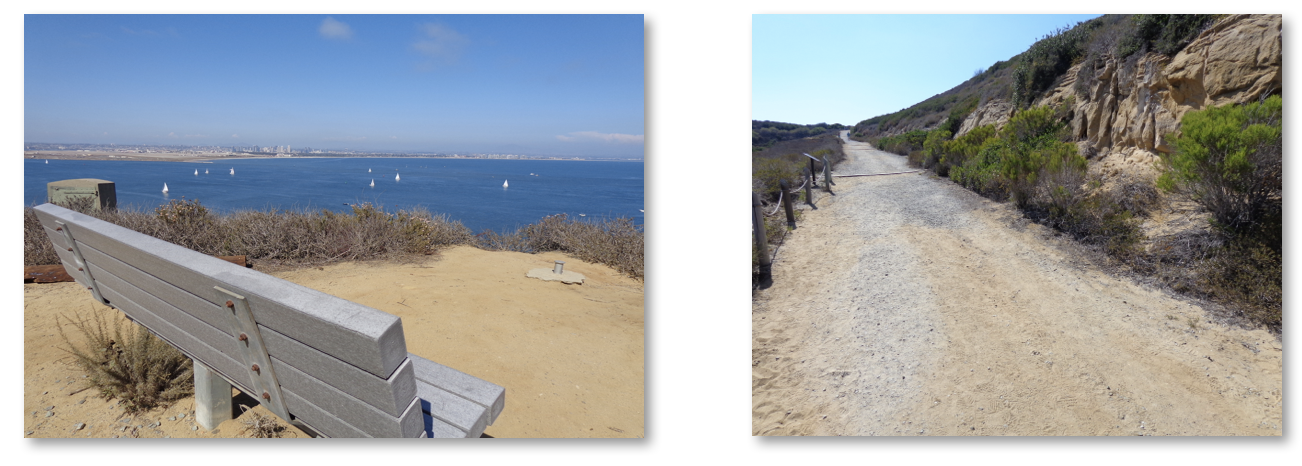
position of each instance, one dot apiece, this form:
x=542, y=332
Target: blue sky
x=525, y=84
x=848, y=68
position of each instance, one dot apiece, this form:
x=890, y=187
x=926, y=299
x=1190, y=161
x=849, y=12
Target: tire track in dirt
x=907, y=305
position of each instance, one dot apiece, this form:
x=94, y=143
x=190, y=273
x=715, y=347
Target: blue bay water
x=467, y=190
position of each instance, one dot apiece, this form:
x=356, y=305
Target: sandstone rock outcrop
x=1126, y=106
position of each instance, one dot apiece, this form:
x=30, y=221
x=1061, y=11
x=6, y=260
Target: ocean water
x=467, y=190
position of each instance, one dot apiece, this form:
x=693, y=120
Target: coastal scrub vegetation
x=125, y=361
x=367, y=232
x=764, y=133
x=1229, y=160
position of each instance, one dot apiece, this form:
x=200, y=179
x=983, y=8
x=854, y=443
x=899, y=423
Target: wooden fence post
x=786, y=204
x=761, y=243
x=809, y=189
x=827, y=167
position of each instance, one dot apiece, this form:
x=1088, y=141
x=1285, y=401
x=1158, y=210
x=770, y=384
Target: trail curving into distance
x=908, y=305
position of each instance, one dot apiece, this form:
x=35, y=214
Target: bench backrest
x=339, y=367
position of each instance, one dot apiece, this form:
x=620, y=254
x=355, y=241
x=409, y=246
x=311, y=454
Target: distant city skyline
x=549, y=85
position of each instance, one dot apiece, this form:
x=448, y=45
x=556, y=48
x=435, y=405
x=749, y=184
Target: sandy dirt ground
x=907, y=305
x=570, y=356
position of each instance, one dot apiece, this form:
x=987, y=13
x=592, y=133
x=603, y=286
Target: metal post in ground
x=786, y=204
x=761, y=243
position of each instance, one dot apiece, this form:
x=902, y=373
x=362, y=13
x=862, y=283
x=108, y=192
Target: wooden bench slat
x=365, y=337
x=467, y=386
x=391, y=395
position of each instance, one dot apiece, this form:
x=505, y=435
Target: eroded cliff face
x=1125, y=106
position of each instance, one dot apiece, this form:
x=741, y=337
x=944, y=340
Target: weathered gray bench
x=331, y=366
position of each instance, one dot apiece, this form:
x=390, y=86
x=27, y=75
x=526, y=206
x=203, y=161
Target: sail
x=504, y=184
x=164, y=187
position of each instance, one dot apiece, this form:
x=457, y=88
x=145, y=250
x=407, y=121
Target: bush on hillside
x=1229, y=159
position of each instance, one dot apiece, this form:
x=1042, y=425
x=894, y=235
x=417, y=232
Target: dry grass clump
x=614, y=242
x=258, y=425
x=130, y=364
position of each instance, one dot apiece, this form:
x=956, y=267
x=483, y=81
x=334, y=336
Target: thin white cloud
x=605, y=137
x=334, y=29
x=440, y=42
x=236, y=136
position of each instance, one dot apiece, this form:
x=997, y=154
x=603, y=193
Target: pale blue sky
x=527, y=84
x=848, y=68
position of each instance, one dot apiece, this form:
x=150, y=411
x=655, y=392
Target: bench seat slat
x=365, y=337
x=467, y=416
x=467, y=386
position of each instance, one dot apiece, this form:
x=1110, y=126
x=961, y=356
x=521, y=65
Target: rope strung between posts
x=877, y=174
x=778, y=205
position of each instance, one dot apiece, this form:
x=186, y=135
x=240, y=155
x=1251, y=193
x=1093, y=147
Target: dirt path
x=907, y=305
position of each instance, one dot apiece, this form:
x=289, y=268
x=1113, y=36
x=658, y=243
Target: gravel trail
x=907, y=305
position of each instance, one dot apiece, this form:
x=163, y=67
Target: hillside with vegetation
x=764, y=133
x=1155, y=138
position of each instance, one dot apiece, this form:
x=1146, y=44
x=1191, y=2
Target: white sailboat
x=47, y=162
x=504, y=184
x=164, y=188
x=397, y=177
x=196, y=172
x=368, y=171
x=232, y=171
x=372, y=183
x=205, y=171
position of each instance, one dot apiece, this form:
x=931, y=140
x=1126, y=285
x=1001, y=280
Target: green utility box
x=103, y=194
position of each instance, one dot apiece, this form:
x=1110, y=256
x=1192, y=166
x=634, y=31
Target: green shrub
x=1229, y=159
x=1033, y=142
x=133, y=365
x=932, y=148
x=1164, y=34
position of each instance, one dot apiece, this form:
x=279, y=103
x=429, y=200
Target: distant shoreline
x=178, y=157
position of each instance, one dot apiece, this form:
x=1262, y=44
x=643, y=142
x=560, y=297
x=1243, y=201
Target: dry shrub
x=258, y=425
x=129, y=364
x=37, y=248
x=366, y=233
x=614, y=242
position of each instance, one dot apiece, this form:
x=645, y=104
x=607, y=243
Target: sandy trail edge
x=570, y=356
x=906, y=305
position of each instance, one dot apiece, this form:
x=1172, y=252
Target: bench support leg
x=212, y=397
